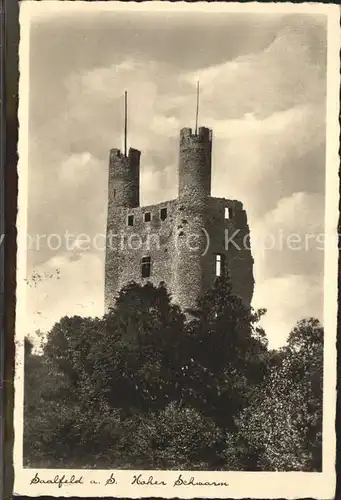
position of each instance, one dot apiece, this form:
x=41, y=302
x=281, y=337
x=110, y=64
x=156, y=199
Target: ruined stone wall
x=237, y=256
x=183, y=247
x=130, y=243
x=204, y=234
x=189, y=258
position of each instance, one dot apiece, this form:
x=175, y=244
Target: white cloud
x=105, y=81
x=266, y=110
x=67, y=287
x=300, y=213
x=250, y=126
x=168, y=126
x=288, y=299
x=282, y=76
x=158, y=186
x=289, y=239
x=77, y=166
x=252, y=155
x=284, y=242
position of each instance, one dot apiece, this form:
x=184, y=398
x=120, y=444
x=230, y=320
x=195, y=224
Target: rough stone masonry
x=182, y=242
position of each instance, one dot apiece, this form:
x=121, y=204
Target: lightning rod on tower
x=197, y=111
x=125, y=122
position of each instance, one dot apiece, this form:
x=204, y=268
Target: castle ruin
x=181, y=242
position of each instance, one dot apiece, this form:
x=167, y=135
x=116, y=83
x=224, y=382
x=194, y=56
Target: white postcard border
x=240, y=484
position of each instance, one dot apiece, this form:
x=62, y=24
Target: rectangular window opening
x=130, y=220
x=114, y=193
x=163, y=213
x=228, y=213
x=146, y=267
x=218, y=264
x=147, y=217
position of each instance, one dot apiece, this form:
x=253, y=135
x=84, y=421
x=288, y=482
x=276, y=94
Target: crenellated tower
x=124, y=178
x=123, y=195
x=195, y=164
x=192, y=215
x=182, y=242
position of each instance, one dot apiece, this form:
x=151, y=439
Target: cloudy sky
x=262, y=92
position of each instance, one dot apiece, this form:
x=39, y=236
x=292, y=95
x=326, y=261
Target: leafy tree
x=173, y=438
x=135, y=365
x=283, y=426
x=144, y=387
x=98, y=371
x=227, y=353
x=62, y=427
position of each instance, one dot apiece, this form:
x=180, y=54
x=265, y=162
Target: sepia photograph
x=177, y=249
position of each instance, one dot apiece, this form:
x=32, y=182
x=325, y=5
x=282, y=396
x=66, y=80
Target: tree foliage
x=144, y=387
x=284, y=422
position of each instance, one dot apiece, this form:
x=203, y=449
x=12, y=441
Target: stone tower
x=180, y=242
x=195, y=164
x=124, y=178
x=192, y=215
